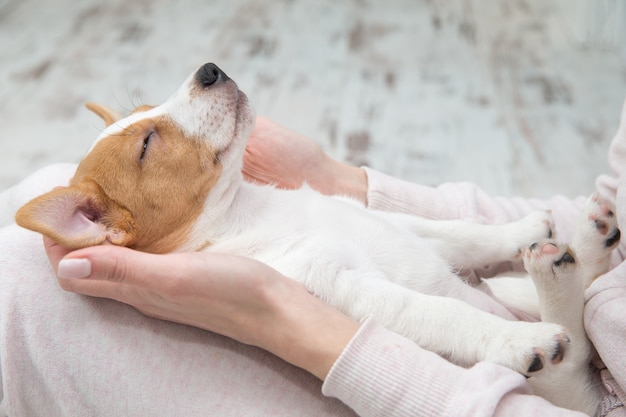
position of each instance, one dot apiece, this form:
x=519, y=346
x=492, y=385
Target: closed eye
x=146, y=141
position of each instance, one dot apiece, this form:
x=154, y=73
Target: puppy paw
x=535, y=227
x=597, y=234
x=530, y=348
x=598, y=224
x=549, y=263
x=558, y=278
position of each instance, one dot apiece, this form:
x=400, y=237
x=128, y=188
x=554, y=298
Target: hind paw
x=548, y=260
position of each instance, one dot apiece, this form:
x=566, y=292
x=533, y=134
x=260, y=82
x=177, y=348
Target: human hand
x=234, y=296
x=276, y=155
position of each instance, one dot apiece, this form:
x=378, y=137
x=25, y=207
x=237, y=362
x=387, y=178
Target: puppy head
x=145, y=181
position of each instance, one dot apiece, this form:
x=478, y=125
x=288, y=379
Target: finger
x=110, y=271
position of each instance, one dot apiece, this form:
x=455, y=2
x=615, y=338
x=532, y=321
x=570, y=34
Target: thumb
x=103, y=271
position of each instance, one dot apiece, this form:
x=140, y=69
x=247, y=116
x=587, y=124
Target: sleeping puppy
x=168, y=178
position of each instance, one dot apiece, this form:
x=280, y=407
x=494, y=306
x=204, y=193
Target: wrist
x=321, y=343
x=309, y=333
x=347, y=180
x=354, y=183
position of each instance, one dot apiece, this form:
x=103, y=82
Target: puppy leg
x=447, y=326
x=472, y=245
x=559, y=282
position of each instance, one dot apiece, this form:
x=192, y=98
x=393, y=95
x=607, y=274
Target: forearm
x=447, y=201
x=304, y=330
x=465, y=201
x=337, y=178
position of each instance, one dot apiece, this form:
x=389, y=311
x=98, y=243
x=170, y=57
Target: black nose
x=210, y=74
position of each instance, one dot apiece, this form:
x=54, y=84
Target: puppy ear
x=107, y=114
x=76, y=218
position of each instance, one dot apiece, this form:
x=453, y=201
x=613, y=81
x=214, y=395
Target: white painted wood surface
x=519, y=96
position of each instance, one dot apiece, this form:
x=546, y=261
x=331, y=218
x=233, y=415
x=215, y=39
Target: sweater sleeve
x=605, y=325
x=465, y=201
x=383, y=374
x=606, y=297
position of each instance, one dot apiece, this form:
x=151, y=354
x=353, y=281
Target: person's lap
x=66, y=354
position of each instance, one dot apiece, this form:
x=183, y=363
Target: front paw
x=537, y=226
x=529, y=348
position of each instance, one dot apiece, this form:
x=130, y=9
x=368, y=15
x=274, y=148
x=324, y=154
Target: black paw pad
x=613, y=238
x=567, y=258
x=536, y=365
x=558, y=354
x=601, y=226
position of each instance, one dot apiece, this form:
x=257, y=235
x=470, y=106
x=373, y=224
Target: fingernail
x=74, y=268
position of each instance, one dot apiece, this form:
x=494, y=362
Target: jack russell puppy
x=168, y=178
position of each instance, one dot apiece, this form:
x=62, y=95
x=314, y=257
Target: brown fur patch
x=164, y=191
